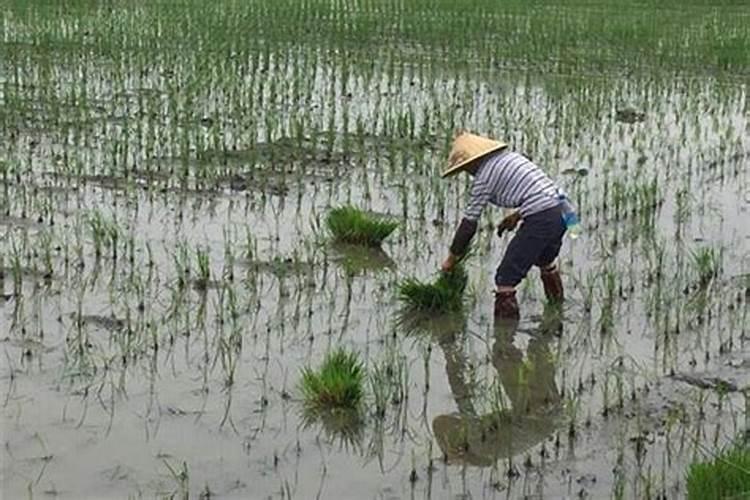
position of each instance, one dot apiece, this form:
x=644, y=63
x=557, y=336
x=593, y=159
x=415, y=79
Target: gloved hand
x=509, y=223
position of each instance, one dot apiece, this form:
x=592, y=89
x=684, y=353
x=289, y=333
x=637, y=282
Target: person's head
x=467, y=152
x=473, y=167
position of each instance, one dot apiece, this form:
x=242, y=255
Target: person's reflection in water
x=529, y=384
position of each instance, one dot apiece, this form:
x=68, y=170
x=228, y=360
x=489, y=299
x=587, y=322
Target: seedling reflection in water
x=344, y=425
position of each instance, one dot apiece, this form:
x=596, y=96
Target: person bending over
x=509, y=179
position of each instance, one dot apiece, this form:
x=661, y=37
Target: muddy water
x=117, y=371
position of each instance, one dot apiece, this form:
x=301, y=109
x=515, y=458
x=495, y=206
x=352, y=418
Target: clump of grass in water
x=444, y=294
x=336, y=385
x=727, y=476
x=351, y=225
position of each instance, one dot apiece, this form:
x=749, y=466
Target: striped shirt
x=510, y=180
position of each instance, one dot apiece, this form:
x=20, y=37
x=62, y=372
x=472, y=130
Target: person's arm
x=480, y=196
x=462, y=238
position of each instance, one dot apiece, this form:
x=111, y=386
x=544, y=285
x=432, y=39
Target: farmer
x=509, y=179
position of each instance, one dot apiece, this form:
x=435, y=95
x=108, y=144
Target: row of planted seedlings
x=106, y=243
x=179, y=143
x=100, y=228
x=682, y=293
x=645, y=194
x=646, y=283
x=102, y=260
x=648, y=205
x=609, y=385
x=99, y=250
x=420, y=28
x=643, y=198
x=190, y=125
x=404, y=127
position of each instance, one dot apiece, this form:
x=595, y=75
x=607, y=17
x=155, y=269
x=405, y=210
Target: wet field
x=165, y=270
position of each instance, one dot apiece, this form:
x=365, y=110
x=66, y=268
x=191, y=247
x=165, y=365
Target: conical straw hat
x=468, y=147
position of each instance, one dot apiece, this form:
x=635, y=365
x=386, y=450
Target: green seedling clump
x=727, y=476
x=351, y=225
x=337, y=384
x=443, y=294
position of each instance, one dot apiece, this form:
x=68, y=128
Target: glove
x=509, y=223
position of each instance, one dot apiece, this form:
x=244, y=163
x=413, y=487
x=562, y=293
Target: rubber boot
x=553, y=287
x=506, y=305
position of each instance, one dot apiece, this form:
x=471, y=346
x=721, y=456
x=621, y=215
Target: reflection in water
x=357, y=259
x=535, y=402
x=342, y=426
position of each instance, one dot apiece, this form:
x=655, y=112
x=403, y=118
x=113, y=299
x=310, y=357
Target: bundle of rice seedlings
x=443, y=294
x=337, y=384
x=726, y=476
x=351, y=225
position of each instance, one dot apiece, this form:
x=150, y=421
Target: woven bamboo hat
x=468, y=147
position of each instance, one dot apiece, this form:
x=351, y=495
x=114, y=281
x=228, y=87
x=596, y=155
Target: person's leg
x=550, y=273
x=523, y=251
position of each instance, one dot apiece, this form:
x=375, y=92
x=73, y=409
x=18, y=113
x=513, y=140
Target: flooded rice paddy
x=165, y=272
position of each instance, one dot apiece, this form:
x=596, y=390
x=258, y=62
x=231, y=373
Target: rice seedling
x=348, y=224
x=725, y=476
x=608, y=294
x=181, y=478
x=707, y=264
x=337, y=384
x=388, y=381
x=444, y=294
x=204, y=270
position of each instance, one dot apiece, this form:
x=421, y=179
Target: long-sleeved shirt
x=506, y=179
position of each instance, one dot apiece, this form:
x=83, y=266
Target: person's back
x=510, y=180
